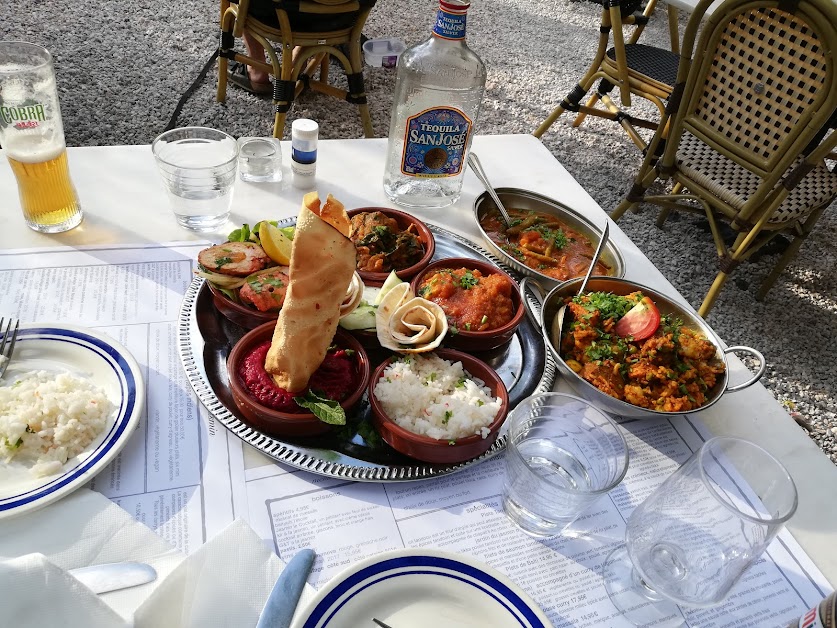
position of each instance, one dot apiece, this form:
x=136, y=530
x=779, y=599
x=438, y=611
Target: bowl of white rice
x=442, y=407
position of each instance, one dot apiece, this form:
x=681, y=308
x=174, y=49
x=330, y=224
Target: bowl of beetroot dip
x=343, y=376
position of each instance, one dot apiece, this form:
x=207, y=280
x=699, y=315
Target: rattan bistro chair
x=750, y=128
x=639, y=69
x=310, y=32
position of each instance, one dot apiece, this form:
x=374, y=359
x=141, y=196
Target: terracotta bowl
x=288, y=423
x=404, y=220
x=476, y=341
x=435, y=450
x=240, y=314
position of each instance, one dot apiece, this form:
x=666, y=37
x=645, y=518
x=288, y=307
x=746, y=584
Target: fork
x=7, y=345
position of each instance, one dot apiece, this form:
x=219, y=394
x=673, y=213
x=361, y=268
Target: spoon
x=476, y=166
x=558, y=322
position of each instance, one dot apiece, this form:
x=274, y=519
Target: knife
x=112, y=576
x=282, y=601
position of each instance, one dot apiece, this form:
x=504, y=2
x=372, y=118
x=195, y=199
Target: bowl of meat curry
x=388, y=239
x=545, y=239
x=635, y=352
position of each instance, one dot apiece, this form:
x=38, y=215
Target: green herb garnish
x=448, y=415
x=609, y=305
x=468, y=281
x=220, y=261
x=326, y=410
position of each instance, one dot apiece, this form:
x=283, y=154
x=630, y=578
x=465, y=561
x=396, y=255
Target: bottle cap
x=455, y=5
x=304, y=129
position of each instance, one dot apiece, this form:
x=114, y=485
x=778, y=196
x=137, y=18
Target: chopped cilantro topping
x=448, y=415
x=468, y=281
x=609, y=305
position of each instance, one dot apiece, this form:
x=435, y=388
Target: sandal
x=238, y=77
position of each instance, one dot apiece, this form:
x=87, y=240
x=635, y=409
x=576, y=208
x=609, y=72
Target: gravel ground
x=123, y=66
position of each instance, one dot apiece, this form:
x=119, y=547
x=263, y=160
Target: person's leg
x=255, y=50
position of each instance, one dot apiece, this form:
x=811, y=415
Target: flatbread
x=323, y=260
x=417, y=326
x=409, y=324
x=354, y=295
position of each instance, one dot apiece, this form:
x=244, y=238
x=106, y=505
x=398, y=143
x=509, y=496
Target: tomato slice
x=641, y=321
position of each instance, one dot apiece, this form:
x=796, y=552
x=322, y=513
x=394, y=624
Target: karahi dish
x=626, y=349
x=635, y=352
x=546, y=238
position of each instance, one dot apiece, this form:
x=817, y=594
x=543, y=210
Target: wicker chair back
x=747, y=133
x=768, y=80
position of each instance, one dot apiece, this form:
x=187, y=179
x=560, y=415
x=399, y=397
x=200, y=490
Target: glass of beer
x=32, y=137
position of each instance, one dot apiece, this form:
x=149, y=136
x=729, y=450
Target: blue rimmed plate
x=102, y=361
x=419, y=588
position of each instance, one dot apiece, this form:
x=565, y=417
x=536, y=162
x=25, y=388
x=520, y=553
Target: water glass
x=562, y=455
x=198, y=167
x=32, y=136
x=691, y=540
x=259, y=159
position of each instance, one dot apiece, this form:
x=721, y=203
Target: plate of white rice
x=69, y=401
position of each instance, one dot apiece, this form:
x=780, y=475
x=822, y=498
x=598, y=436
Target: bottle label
x=304, y=156
x=450, y=22
x=23, y=117
x=434, y=143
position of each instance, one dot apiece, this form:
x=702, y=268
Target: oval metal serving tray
x=206, y=337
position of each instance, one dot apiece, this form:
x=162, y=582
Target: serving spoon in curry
x=476, y=166
x=558, y=322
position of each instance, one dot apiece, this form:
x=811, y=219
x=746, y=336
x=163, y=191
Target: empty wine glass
x=691, y=540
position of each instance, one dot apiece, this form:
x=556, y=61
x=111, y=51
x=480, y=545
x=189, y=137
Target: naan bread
x=323, y=260
x=409, y=324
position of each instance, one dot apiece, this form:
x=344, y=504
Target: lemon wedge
x=275, y=243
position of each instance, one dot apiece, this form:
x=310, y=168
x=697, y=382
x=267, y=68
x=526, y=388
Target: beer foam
x=33, y=148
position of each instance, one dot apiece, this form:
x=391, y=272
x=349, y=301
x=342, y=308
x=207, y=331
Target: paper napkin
x=224, y=583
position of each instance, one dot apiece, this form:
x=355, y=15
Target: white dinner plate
x=97, y=358
x=420, y=588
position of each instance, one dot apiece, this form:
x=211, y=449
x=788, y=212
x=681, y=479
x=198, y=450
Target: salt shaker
x=304, y=135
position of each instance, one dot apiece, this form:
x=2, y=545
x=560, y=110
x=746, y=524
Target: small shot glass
x=260, y=159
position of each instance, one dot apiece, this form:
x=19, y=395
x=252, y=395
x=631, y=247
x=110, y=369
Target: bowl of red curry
x=546, y=238
x=482, y=303
x=388, y=239
x=342, y=377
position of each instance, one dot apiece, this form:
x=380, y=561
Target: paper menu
x=462, y=512
x=134, y=295
x=187, y=477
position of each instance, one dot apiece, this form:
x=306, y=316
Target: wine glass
x=691, y=540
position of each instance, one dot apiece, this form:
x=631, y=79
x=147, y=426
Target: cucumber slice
x=362, y=318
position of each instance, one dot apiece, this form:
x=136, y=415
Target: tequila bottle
x=438, y=93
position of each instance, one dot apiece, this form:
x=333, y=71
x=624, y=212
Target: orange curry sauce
x=544, y=243
x=472, y=301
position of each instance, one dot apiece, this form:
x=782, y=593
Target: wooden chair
x=751, y=124
x=646, y=71
x=309, y=32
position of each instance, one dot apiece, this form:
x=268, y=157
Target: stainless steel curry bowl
x=553, y=301
x=515, y=198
